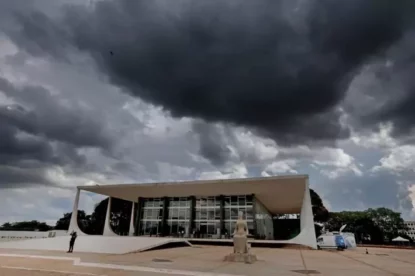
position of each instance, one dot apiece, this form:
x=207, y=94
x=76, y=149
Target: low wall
x=24, y=235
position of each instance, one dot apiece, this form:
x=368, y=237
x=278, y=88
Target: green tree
x=119, y=218
x=389, y=221
x=321, y=214
x=376, y=224
x=33, y=225
x=6, y=226
x=63, y=222
x=94, y=224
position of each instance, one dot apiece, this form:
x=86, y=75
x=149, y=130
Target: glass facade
x=264, y=222
x=178, y=220
x=232, y=206
x=199, y=217
x=207, y=217
x=151, y=217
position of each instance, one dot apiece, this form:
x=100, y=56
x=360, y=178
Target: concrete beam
x=307, y=234
x=73, y=225
x=131, y=230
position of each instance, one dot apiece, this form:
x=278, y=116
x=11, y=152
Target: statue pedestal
x=241, y=258
x=241, y=248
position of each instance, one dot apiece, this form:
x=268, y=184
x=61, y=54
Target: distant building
x=410, y=231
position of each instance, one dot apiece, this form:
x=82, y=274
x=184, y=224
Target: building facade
x=209, y=209
x=201, y=217
x=410, y=229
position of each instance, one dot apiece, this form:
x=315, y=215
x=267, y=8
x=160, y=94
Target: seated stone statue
x=240, y=235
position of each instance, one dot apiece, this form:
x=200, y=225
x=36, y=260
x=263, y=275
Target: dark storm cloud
x=385, y=91
x=280, y=68
x=40, y=130
x=212, y=144
x=48, y=115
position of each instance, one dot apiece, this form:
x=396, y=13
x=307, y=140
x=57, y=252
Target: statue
x=240, y=243
x=240, y=235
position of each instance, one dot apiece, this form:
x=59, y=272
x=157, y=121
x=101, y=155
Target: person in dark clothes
x=72, y=241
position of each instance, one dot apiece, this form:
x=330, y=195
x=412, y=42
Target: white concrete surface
x=131, y=230
x=307, y=234
x=73, y=225
x=93, y=244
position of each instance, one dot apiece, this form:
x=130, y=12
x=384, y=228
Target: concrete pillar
x=255, y=231
x=164, y=226
x=131, y=231
x=73, y=225
x=107, y=226
x=307, y=234
x=138, y=216
x=192, y=215
x=222, y=215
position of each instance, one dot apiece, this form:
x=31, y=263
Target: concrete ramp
x=96, y=244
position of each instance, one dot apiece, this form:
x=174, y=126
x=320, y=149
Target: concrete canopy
x=280, y=194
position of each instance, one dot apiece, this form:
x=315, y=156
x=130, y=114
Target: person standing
x=72, y=241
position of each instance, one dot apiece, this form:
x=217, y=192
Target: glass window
x=211, y=214
x=241, y=201
x=227, y=214
x=217, y=214
x=234, y=213
x=182, y=214
x=174, y=202
x=203, y=214
x=174, y=213
x=249, y=213
x=227, y=201
x=152, y=214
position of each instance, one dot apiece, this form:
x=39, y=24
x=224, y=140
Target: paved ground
x=207, y=261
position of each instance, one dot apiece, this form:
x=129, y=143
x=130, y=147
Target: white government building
x=209, y=209
x=410, y=225
x=194, y=212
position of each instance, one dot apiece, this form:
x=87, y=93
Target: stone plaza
x=208, y=261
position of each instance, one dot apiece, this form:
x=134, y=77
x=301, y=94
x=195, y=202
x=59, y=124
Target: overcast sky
x=142, y=91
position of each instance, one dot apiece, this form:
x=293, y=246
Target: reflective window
x=233, y=205
x=179, y=216
x=151, y=216
x=207, y=217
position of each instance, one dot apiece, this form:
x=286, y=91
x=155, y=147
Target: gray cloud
x=50, y=116
x=237, y=62
x=279, y=68
x=212, y=142
x=39, y=130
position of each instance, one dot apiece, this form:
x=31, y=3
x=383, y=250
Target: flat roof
x=279, y=194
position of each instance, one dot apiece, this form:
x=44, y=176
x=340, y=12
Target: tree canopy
x=321, y=214
x=33, y=225
x=94, y=224
x=372, y=225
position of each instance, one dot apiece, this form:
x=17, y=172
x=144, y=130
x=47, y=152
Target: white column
x=107, y=226
x=73, y=225
x=307, y=234
x=131, y=231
